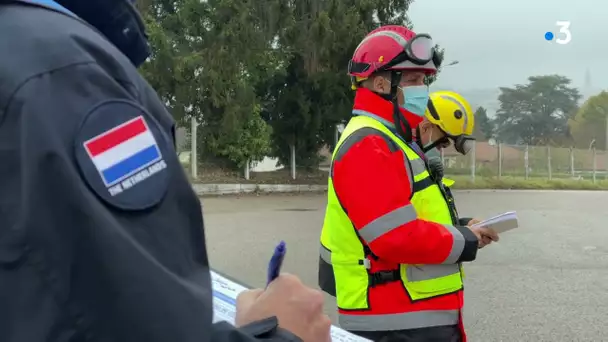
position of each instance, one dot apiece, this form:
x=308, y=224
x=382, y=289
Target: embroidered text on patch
x=125, y=155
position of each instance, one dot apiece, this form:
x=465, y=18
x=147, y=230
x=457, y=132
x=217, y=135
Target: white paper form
x=500, y=223
x=225, y=292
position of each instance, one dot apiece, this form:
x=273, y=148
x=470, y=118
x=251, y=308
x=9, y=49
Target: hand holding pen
x=276, y=262
x=298, y=308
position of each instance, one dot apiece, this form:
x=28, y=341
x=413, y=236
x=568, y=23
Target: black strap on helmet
x=401, y=125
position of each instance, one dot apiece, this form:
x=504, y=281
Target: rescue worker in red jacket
x=391, y=249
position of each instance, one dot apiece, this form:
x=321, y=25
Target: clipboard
x=225, y=290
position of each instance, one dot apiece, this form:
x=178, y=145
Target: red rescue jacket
x=370, y=182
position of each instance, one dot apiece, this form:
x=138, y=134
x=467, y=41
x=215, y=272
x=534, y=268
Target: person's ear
x=380, y=85
x=425, y=126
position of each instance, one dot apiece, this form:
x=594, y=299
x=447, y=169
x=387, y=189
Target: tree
x=208, y=58
x=590, y=122
x=484, y=128
x=230, y=64
x=305, y=104
x=537, y=112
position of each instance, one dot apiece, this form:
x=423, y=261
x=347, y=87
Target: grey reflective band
x=325, y=254
x=428, y=272
x=457, y=245
x=401, y=321
x=410, y=172
x=387, y=223
x=418, y=166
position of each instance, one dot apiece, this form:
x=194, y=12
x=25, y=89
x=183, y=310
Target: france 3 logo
x=565, y=36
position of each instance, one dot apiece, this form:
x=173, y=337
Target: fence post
x=549, y=162
x=499, y=160
x=594, y=163
x=193, y=153
x=526, y=161
x=572, y=161
x=293, y=161
x=336, y=135
x=247, y=169
x=473, y=160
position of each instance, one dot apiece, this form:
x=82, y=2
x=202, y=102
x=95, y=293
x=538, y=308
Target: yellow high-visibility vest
x=342, y=254
x=447, y=182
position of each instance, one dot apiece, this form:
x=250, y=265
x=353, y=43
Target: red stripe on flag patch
x=115, y=136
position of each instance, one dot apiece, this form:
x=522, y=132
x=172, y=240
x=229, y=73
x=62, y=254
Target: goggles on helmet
x=463, y=143
x=417, y=52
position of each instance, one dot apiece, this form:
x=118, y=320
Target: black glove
x=435, y=168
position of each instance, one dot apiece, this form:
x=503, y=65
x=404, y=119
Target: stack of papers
x=501, y=223
x=225, y=292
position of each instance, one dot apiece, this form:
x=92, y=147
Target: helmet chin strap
x=418, y=140
x=428, y=147
x=401, y=125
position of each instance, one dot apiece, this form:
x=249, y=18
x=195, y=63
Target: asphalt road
x=545, y=281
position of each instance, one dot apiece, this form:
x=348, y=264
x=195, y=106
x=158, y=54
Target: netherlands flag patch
x=123, y=151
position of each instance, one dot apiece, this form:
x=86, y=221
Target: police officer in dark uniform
x=101, y=235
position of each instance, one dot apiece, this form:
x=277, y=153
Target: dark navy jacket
x=101, y=234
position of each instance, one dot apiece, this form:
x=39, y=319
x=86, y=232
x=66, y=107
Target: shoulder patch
x=120, y=151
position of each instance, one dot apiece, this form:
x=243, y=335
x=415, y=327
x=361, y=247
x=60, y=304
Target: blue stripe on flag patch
x=132, y=164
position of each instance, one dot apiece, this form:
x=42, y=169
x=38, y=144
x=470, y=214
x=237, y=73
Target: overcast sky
x=500, y=43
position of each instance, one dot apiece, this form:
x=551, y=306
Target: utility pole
x=606, y=136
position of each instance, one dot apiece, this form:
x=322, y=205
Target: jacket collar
x=371, y=104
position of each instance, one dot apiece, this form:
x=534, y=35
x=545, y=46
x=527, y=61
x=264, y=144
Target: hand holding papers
x=501, y=223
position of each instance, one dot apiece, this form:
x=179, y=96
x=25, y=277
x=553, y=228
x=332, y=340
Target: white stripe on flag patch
x=123, y=150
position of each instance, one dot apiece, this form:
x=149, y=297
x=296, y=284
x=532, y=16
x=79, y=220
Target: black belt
x=383, y=277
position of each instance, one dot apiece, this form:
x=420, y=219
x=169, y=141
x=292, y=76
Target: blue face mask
x=415, y=99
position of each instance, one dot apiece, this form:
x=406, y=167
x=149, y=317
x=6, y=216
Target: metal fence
x=486, y=160
x=267, y=170
x=527, y=162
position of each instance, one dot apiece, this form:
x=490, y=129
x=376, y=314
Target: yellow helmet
x=454, y=115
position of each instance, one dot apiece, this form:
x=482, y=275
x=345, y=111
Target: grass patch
x=463, y=182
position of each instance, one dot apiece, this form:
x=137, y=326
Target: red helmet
x=393, y=47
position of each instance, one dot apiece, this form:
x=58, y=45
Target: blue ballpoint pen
x=276, y=262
